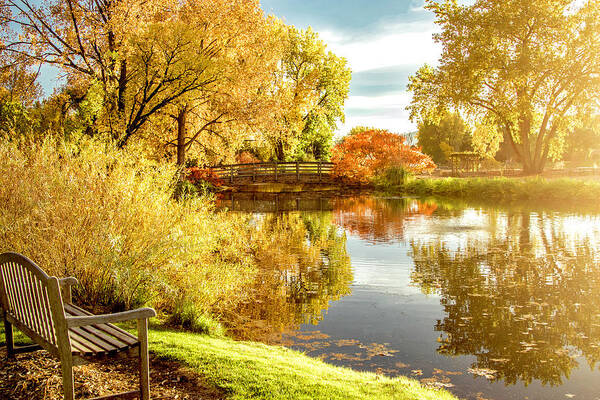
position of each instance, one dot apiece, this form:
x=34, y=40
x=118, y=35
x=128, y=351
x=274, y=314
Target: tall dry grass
x=108, y=218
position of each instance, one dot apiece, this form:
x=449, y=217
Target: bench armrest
x=140, y=313
x=70, y=281
x=65, y=288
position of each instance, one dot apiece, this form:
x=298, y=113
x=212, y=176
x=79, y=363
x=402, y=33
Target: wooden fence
x=308, y=172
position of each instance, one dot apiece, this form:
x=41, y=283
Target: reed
x=110, y=218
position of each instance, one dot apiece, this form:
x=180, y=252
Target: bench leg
x=142, y=328
x=67, y=376
x=8, y=338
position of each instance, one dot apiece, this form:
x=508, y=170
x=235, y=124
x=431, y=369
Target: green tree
x=439, y=138
x=313, y=86
x=526, y=66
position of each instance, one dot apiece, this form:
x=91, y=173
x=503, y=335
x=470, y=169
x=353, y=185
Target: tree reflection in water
x=378, y=219
x=525, y=302
x=303, y=266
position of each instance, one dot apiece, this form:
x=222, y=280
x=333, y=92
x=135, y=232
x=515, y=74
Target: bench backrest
x=25, y=295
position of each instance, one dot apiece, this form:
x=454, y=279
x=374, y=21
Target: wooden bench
x=41, y=307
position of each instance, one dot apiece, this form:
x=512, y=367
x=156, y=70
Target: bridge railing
x=276, y=171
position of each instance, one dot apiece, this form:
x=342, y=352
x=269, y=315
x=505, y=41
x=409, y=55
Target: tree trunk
x=122, y=87
x=532, y=163
x=181, y=120
x=279, y=153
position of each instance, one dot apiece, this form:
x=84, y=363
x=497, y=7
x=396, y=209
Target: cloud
x=384, y=112
x=381, y=81
x=381, y=63
x=398, y=100
x=390, y=48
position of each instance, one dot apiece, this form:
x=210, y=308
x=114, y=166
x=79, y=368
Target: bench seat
x=97, y=340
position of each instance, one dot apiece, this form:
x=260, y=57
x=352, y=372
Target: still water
x=489, y=302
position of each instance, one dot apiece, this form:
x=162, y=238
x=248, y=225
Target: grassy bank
x=505, y=189
x=249, y=370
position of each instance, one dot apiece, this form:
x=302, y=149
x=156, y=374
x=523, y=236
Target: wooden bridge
x=283, y=172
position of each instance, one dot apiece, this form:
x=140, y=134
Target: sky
x=384, y=42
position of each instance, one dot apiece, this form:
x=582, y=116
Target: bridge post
x=320, y=170
x=275, y=171
x=297, y=172
x=253, y=172
x=231, y=174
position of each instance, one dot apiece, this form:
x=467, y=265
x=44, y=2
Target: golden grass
x=109, y=218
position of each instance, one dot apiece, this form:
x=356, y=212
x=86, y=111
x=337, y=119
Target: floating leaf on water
x=341, y=357
x=416, y=372
x=375, y=349
x=435, y=383
x=437, y=371
x=400, y=364
x=485, y=372
x=312, y=335
x=347, y=342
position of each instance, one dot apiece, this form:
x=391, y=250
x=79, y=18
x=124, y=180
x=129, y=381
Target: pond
x=491, y=302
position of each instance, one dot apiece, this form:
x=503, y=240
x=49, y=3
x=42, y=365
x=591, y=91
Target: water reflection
x=510, y=295
x=525, y=302
x=378, y=219
x=304, y=265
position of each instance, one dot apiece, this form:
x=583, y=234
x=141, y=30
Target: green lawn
x=510, y=189
x=248, y=370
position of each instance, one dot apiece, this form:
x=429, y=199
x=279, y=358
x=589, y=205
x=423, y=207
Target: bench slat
x=48, y=311
x=98, y=339
x=47, y=327
x=91, y=348
x=105, y=337
x=110, y=329
x=39, y=306
x=105, y=347
x=33, y=304
x=76, y=348
x=21, y=310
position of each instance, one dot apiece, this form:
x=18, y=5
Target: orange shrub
x=195, y=175
x=361, y=156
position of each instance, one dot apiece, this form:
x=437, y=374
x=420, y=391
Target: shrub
x=197, y=176
x=360, y=157
x=391, y=177
x=110, y=219
x=188, y=317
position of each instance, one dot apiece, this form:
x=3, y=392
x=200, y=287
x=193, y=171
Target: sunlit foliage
x=363, y=155
x=440, y=139
x=199, y=78
x=527, y=67
x=311, y=88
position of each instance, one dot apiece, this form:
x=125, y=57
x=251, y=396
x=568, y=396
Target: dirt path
x=36, y=376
